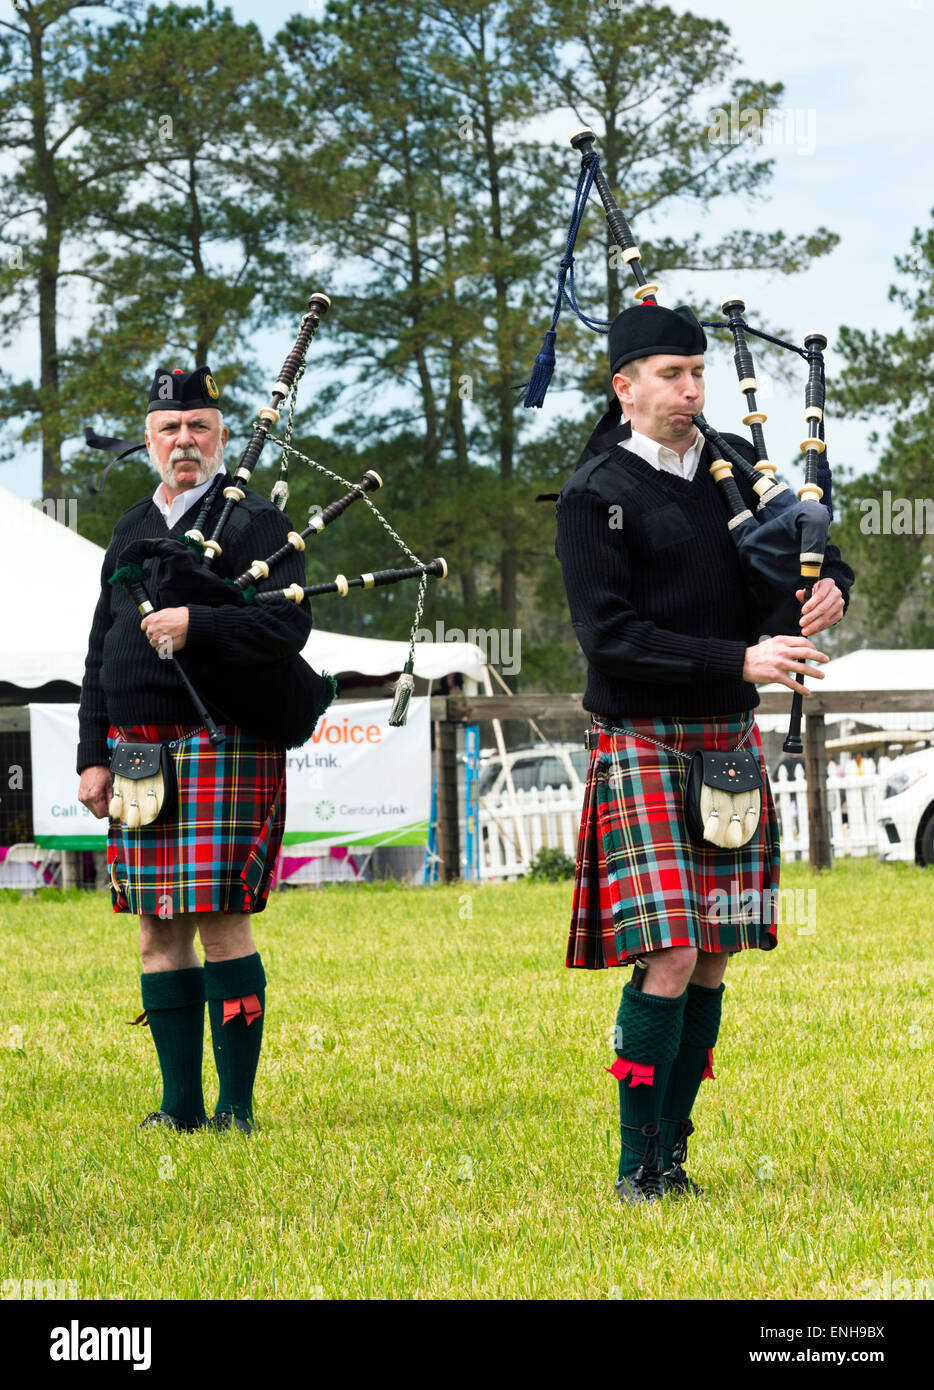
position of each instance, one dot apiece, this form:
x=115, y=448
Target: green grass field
x=435, y=1120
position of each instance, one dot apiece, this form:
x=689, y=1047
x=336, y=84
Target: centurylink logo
x=324, y=810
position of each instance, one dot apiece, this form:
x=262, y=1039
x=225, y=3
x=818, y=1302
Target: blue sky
x=858, y=75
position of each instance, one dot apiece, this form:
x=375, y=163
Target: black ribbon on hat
x=120, y=447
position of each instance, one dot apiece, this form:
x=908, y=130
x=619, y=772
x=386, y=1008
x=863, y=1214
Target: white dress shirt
x=173, y=511
x=661, y=457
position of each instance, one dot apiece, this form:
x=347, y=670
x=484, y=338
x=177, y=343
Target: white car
x=538, y=765
x=905, y=817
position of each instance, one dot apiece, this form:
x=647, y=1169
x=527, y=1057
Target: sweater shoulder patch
x=604, y=476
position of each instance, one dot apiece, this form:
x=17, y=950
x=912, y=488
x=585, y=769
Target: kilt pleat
x=219, y=850
x=641, y=883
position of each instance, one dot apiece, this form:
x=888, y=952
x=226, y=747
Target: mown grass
x=435, y=1117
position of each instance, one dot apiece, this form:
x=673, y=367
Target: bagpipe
x=278, y=700
x=782, y=547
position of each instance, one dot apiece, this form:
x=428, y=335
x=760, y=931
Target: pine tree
x=890, y=542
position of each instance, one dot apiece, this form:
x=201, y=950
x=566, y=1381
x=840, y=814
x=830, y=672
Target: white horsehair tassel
x=711, y=814
x=405, y=686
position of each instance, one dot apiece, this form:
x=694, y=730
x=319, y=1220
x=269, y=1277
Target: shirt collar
x=174, y=511
x=658, y=454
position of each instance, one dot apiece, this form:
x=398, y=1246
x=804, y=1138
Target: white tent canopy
x=51, y=580
x=332, y=651
x=869, y=669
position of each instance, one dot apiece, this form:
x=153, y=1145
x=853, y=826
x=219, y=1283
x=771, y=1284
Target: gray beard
x=206, y=468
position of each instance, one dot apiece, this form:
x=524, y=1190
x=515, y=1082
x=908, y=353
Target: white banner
x=359, y=782
x=59, y=820
x=355, y=782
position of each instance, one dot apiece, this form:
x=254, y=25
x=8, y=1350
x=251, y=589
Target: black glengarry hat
x=178, y=390
x=648, y=330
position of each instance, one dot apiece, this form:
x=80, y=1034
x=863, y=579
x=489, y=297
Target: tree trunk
x=432, y=446
x=48, y=367
x=49, y=262
x=468, y=576
x=205, y=336
x=506, y=431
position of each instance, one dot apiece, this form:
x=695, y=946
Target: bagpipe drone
x=278, y=700
x=781, y=548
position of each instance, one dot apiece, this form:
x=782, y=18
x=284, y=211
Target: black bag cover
x=279, y=701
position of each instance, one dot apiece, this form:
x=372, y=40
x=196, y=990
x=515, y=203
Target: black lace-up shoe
x=224, y=1121
x=161, y=1119
x=679, y=1184
x=645, y=1185
x=676, y=1179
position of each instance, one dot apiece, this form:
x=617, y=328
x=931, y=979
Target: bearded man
x=207, y=866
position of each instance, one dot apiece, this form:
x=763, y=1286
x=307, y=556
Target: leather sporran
x=145, y=785
x=723, y=798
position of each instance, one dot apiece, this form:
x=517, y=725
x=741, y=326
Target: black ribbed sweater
x=656, y=594
x=126, y=683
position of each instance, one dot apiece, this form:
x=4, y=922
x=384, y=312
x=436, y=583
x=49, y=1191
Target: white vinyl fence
x=551, y=818
x=853, y=795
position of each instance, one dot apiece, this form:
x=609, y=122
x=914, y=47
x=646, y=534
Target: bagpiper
x=191, y=847
x=667, y=622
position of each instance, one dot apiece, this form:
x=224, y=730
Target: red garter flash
x=642, y=1075
x=247, y=1004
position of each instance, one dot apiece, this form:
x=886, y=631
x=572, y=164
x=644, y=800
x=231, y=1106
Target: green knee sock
x=648, y=1027
x=235, y=989
x=174, y=1004
x=698, y=1035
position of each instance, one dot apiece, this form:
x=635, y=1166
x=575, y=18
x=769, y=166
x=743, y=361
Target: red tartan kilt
x=642, y=884
x=218, y=852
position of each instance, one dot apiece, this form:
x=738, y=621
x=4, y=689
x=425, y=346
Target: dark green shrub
x=551, y=866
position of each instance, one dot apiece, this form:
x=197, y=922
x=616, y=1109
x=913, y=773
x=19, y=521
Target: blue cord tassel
x=544, y=367
x=542, y=372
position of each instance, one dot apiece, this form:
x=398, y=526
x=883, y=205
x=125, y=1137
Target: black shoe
x=224, y=1121
x=161, y=1119
x=679, y=1184
x=645, y=1185
x=676, y=1179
